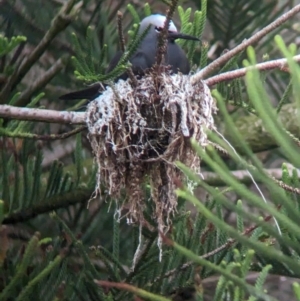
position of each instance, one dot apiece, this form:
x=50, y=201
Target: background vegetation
x=56, y=245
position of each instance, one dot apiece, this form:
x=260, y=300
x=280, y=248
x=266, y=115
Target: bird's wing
x=177, y=59
x=141, y=62
x=114, y=62
x=90, y=93
x=138, y=61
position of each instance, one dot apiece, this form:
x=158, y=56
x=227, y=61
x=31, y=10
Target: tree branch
x=250, y=126
x=255, y=38
x=78, y=118
x=7, y=111
x=230, y=75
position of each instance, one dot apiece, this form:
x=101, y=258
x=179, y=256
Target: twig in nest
x=122, y=45
x=162, y=38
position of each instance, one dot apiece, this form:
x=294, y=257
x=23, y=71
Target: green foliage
x=86, y=71
x=7, y=46
x=84, y=61
x=233, y=21
x=296, y=288
x=194, y=28
x=229, y=233
x=148, y=271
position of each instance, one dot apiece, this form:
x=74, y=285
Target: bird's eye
x=159, y=29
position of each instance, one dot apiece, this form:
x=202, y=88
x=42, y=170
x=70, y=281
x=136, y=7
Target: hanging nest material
x=139, y=132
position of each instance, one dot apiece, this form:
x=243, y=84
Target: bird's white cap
x=158, y=21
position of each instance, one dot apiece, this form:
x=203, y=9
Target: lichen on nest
x=138, y=132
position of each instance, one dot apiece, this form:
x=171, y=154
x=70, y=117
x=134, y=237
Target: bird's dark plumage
x=145, y=56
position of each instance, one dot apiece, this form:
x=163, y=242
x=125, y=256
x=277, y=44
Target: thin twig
x=223, y=152
x=255, y=38
x=122, y=45
x=230, y=242
x=294, y=138
x=230, y=75
x=287, y=187
x=162, y=38
x=53, y=116
x=120, y=31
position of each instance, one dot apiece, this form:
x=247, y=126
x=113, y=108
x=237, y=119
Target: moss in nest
x=141, y=131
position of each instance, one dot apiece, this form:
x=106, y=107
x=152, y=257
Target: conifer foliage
x=235, y=222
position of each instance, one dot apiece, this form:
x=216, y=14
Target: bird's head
x=157, y=23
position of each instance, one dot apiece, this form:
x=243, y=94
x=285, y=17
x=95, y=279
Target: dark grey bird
x=145, y=56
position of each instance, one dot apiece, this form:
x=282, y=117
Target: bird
x=145, y=55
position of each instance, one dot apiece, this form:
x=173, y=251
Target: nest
x=137, y=134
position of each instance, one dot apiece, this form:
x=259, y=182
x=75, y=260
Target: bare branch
x=230, y=75
x=7, y=111
x=255, y=38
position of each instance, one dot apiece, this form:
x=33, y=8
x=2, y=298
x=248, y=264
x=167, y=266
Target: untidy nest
x=138, y=133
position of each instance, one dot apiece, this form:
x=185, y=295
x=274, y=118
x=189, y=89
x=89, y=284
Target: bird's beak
x=178, y=35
